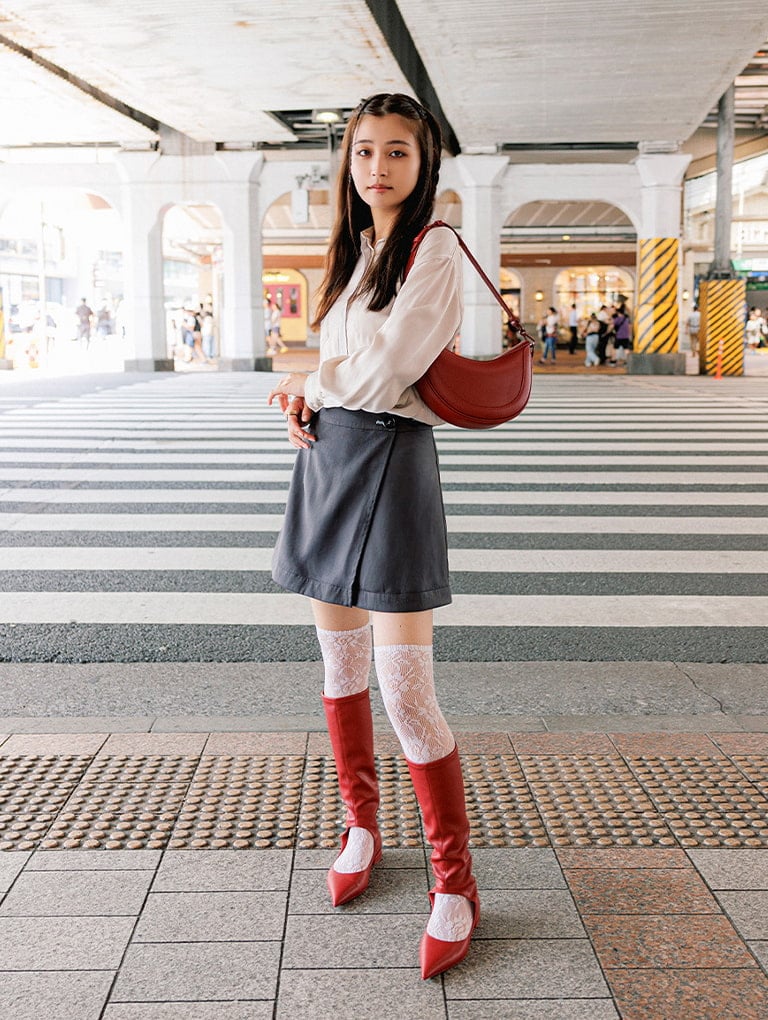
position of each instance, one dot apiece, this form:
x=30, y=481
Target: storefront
x=287, y=290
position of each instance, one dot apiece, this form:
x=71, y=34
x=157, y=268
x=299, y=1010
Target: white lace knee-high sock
x=407, y=686
x=347, y=662
x=406, y=681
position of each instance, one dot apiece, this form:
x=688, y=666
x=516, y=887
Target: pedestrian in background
x=551, y=326
x=84, y=322
x=694, y=325
x=622, y=330
x=591, y=340
x=573, y=326
x=207, y=328
x=275, y=320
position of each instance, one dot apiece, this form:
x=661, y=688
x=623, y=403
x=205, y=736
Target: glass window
x=590, y=287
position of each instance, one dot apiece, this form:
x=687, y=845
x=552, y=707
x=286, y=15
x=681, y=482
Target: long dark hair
x=353, y=215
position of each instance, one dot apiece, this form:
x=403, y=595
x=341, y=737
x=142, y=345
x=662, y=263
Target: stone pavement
x=181, y=875
x=168, y=804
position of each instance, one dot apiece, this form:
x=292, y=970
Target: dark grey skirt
x=364, y=522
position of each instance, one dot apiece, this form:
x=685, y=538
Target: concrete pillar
x=657, y=313
x=481, y=221
x=143, y=311
x=242, y=335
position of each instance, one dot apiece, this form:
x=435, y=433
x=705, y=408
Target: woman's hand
x=297, y=413
x=291, y=385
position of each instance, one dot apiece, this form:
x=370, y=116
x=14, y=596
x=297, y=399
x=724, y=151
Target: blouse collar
x=365, y=237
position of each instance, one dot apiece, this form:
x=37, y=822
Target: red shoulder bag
x=478, y=394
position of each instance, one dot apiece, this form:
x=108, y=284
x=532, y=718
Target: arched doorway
x=61, y=278
x=193, y=281
x=567, y=253
x=295, y=240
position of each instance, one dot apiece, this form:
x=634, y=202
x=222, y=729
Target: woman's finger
x=297, y=436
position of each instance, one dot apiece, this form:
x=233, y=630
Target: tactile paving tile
x=593, y=800
x=33, y=790
x=707, y=802
x=241, y=802
x=261, y=801
x=323, y=813
x=123, y=803
x=755, y=769
x=501, y=810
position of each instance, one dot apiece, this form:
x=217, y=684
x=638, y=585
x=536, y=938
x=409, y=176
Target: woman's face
x=384, y=162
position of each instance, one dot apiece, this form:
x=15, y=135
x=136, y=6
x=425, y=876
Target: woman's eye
x=397, y=153
x=363, y=152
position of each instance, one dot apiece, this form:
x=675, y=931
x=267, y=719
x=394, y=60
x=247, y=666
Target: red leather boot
x=350, y=727
x=439, y=788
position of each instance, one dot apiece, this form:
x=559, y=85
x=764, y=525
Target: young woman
x=551, y=324
x=622, y=328
x=364, y=534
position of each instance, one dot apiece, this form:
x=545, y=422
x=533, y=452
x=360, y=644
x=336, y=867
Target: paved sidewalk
x=181, y=876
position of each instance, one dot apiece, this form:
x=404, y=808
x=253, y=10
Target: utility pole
x=722, y=294
x=722, y=267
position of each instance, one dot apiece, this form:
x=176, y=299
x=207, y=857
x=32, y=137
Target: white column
x=661, y=178
x=659, y=304
x=481, y=221
x=143, y=312
x=242, y=335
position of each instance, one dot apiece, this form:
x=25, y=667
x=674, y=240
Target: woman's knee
x=402, y=628
x=331, y=617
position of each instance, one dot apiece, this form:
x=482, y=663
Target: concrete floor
x=167, y=795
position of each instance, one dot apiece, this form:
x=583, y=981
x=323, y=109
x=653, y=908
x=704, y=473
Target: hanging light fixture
x=326, y=116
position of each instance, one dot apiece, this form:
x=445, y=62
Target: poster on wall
x=287, y=297
x=285, y=294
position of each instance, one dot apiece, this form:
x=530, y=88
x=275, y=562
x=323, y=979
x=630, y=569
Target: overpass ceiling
x=533, y=73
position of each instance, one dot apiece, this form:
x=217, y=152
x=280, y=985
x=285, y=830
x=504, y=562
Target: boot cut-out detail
x=357, y=854
x=347, y=885
x=350, y=727
x=452, y=918
x=406, y=682
x=439, y=789
x=347, y=660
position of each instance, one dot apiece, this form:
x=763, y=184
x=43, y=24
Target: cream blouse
x=370, y=360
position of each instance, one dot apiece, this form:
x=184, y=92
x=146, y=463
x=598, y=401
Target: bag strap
x=512, y=319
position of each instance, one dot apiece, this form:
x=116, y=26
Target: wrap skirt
x=364, y=521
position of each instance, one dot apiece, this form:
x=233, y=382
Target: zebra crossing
x=618, y=518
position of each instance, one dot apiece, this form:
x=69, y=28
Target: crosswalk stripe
x=579, y=474
x=218, y=609
x=244, y=558
x=164, y=457
x=450, y=498
x=612, y=493
x=485, y=523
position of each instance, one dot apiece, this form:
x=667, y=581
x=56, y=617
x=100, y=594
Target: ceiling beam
x=387, y=16
x=84, y=86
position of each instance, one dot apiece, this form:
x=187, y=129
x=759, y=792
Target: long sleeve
x=379, y=370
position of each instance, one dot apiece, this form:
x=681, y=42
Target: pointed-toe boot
x=350, y=727
x=439, y=788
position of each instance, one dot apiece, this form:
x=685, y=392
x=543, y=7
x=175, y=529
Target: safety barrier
x=721, y=343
